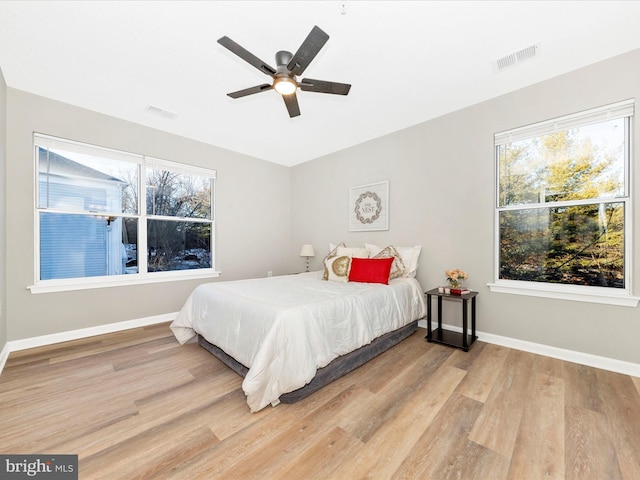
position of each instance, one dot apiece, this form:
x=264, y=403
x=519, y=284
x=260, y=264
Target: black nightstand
x=447, y=337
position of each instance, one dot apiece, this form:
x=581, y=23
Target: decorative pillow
x=338, y=268
x=398, y=268
x=409, y=256
x=370, y=270
x=333, y=252
x=341, y=250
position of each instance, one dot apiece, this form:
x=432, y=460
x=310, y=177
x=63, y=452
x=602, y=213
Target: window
x=93, y=223
x=563, y=203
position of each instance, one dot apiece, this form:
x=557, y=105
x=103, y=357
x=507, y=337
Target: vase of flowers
x=455, y=277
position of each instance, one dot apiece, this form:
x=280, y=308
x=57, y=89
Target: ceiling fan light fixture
x=289, y=68
x=285, y=85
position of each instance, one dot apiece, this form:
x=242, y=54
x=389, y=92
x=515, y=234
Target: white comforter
x=284, y=328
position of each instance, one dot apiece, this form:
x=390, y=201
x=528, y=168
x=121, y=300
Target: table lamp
x=307, y=251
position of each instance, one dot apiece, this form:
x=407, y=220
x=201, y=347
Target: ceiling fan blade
x=291, y=101
x=322, y=86
x=246, y=55
x=307, y=51
x=250, y=91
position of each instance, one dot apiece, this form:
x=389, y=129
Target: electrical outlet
x=269, y=273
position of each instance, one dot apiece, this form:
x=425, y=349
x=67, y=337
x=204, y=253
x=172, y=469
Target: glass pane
x=576, y=164
x=84, y=183
x=77, y=246
x=175, y=194
x=178, y=245
x=577, y=245
x=130, y=242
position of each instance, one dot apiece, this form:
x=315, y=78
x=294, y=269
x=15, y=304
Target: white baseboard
x=17, y=345
x=605, y=363
x=4, y=355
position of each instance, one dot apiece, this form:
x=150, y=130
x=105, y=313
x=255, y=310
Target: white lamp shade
x=307, y=251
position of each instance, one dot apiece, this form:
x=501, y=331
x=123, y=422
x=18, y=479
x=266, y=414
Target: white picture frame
x=369, y=207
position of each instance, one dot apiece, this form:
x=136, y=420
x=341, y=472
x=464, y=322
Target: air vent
x=161, y=112
x=515, y=58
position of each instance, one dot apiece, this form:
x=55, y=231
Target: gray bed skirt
x=334, y=370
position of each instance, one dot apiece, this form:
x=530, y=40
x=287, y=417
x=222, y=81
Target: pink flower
x=456, y=275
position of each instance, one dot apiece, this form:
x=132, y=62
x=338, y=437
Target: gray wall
x=441, y=188
x=441, y=177
x=3, y=142
x=253, y=217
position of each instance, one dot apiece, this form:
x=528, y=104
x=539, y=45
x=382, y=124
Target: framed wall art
x=369, y=207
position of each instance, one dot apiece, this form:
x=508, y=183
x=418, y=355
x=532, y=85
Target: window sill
x=50, y=286
x=599, y=296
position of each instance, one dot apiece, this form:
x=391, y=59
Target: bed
x=290, y=335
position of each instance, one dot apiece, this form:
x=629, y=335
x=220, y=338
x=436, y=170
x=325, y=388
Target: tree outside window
x=562, y=198
x=176, y=205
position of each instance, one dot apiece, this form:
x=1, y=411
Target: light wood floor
x=135, y=404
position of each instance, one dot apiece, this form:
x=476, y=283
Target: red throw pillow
x=370, y=270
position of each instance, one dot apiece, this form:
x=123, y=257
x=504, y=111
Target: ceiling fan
x=288, y=67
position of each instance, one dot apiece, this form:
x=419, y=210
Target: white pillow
x=409, y=256
x=358, y=252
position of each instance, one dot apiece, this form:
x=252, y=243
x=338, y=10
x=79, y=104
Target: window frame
x=583, y=293
x=143, y=276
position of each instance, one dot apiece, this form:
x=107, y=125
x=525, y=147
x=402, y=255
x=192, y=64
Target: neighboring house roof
x=64, y=167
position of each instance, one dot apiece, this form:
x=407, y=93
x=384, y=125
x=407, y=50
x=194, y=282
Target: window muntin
x=562, y=211
x=92, y=222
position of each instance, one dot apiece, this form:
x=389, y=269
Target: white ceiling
x=407, y=62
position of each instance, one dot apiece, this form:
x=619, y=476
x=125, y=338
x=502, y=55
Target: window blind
x=51, y=143
x=613, y=111
x=158, y=164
